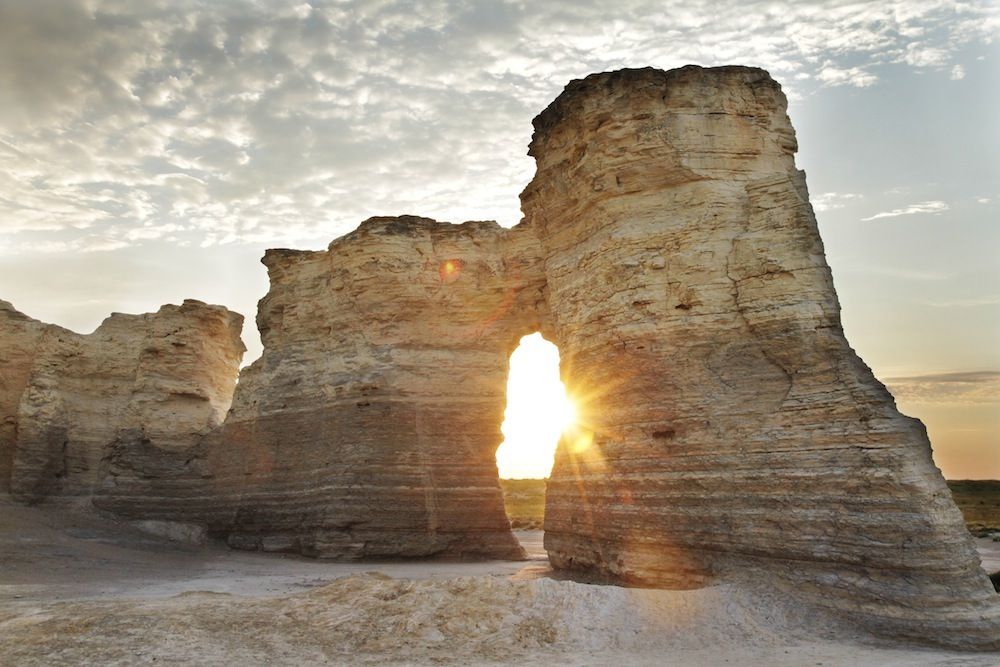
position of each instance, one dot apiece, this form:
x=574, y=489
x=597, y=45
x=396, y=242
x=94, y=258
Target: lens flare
x=449, y=270
x=581, y=442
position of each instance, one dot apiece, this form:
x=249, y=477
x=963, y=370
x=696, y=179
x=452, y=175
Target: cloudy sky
x=151, y=150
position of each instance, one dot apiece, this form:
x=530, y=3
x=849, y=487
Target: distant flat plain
x=979, y=501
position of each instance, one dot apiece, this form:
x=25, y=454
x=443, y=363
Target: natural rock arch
x=669, y=250
x=385, y=365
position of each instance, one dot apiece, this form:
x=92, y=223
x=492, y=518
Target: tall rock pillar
x=727, y=427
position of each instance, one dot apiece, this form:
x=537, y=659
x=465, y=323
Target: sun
x=538, y=411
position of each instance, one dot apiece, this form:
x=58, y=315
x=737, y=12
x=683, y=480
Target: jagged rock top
x=590, y=102
x=394, y=225
x=187, y=307
x=605, y=84
x=8, y=309
x=411, y=225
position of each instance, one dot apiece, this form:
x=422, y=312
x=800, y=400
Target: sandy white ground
x=84, y=590
x=989, y=553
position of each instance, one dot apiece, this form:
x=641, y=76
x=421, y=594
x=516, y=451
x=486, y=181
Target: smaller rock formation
x=369, y=426
x=68, y=400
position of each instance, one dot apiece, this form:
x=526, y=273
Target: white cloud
x=854, y=76
x=208, y=123
x=86, y=244
x=932, y=207
x=973, y=302
x=150, y=232
x=898, y=273
x=923, y=55
x=957, y=73
x=833, y=200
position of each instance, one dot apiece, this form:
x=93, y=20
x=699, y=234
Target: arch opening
x=538, y=412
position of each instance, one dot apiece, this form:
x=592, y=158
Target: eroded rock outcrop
x=728, y=429
x=19, y=342
x=668, y=248
x=164, y=379
x=370, y=424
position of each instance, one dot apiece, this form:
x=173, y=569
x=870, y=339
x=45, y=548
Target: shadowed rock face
x=19, y=342
x=66, y=400
x=668, y=248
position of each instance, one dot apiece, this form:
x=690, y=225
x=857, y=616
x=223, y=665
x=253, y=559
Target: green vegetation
x=525, y=502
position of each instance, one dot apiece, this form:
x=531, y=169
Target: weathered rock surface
x=68, y=400
x=728, y=430
x=19, y=342
x=370, y=424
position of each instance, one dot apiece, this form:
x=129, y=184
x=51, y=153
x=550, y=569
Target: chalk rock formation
x=369, y=426
x=165, y=379
x=19, y=341
x=728, y=429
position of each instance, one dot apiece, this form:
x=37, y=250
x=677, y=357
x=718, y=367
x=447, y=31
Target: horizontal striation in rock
x=162, y=379
x=369, y=426
x=727, y=427
x=20, y=338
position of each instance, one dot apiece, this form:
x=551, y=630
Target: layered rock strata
x=727, y=427
x=70, y=401
x=369, y=427
x=19, y=342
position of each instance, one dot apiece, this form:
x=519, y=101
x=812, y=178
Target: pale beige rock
x=19, y=341
x=165, y=378
x=728, y=431
x=369, y=426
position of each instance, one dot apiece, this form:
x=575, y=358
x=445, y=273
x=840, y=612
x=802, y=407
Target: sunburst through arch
x=539, y=411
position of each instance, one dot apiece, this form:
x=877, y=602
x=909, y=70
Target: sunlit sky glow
x=538, y=410
x=150, y=150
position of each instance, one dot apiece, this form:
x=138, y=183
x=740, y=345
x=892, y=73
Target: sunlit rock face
x=369, y=426
x=69, y=401
x=727, y=428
